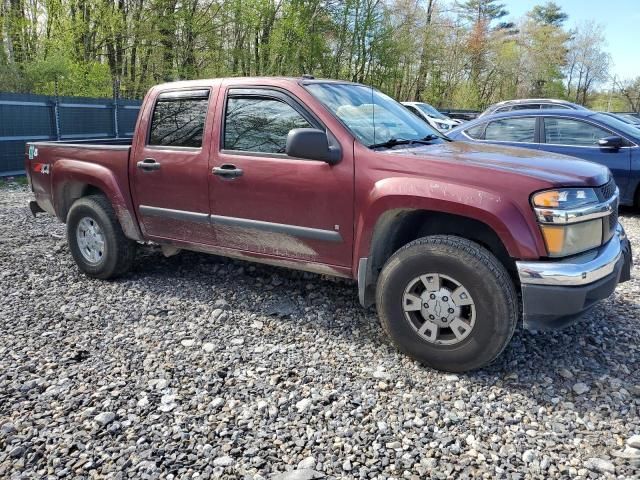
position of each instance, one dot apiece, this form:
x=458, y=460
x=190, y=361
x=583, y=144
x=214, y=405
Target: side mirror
x=613, y=142
x=312, y=144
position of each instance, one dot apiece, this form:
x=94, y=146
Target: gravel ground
x=197, y=367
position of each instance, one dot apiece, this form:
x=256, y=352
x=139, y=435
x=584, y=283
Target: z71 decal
x=41, y=168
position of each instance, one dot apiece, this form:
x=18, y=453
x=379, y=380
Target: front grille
x=609, y=223
x=613, y=220
x=606, y=191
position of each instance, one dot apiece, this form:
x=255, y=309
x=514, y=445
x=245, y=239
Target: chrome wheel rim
x=90, y=239
x=439, y=308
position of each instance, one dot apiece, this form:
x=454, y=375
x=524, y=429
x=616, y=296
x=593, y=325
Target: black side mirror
x=312, y=144
x=613, y=142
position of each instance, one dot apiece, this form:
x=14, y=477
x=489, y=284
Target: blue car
x=580, y=133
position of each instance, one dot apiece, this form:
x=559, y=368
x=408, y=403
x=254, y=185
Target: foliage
x=548, y=14
x=630, y=92
x=587, y=62
x=450, y=53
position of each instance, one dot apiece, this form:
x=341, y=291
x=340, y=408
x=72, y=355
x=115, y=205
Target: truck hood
x=554, y=169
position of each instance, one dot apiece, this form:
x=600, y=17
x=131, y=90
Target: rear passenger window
x=521, y=129
x=178, y=119
x=475, y=132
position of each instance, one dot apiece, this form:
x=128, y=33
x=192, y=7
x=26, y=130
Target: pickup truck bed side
x=79, y=169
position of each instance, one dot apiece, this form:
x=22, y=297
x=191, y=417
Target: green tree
x=548, y=14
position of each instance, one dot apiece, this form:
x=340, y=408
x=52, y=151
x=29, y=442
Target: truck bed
x=55, y=167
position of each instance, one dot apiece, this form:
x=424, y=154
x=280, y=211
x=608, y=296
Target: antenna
x=373, y=115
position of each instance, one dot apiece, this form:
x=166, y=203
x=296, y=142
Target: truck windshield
x=375, y=119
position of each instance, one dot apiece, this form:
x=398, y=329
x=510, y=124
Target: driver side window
x=565, y=131
x=259, y=124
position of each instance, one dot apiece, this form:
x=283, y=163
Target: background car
x=432, y=116
x=530, y=104
x=580, y=133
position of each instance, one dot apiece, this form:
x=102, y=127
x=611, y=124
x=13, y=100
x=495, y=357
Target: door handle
x=148, y=164
x=227, y=170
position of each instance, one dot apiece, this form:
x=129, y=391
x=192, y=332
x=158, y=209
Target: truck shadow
x=600, y=351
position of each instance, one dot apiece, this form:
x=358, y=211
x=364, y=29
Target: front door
x=579, y=139
x=266, y=202
x=170, y=166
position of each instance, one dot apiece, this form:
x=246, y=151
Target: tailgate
x=38, y=168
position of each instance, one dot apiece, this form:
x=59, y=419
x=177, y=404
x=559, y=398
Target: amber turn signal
x=562, y=240
x=550, y=198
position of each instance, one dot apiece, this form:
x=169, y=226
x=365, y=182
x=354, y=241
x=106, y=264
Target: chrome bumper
x=575, y=271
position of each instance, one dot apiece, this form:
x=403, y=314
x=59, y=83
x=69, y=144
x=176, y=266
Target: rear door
x=515, y=131
x=578, y=138
x=169, y=166
x=276, y=205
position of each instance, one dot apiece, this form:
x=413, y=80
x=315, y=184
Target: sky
x=620, y=19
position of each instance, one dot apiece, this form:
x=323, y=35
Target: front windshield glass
x=622, y=127
x=429, y=110
x=373, y=117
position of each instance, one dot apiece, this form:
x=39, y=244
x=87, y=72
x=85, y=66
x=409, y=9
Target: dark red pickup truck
x=453, y=242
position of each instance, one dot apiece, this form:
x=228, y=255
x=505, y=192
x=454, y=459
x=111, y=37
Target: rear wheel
x=447, y=302
x=96, y=240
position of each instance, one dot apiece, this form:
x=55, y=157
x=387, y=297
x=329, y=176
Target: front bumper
x=556, y=293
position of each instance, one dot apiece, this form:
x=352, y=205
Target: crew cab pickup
x=453, y=242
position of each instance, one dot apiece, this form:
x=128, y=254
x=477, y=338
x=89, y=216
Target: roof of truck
x=267, y=80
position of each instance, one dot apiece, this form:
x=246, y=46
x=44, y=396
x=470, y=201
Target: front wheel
x=96, y=240
x=447, y=302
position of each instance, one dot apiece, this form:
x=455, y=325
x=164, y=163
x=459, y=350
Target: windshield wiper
x=392, y=142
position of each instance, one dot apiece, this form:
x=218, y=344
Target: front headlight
x=559, y=213
x=565, y=198
x=442, y=126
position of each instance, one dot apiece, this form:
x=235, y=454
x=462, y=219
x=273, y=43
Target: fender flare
x=390, y=197
x=70, y=180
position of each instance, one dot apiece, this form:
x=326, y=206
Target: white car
x=432, y=116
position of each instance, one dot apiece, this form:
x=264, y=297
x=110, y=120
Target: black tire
x=119, y=250
x=479, y=272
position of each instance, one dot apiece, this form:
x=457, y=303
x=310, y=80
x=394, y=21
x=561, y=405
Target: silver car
x=530, y=104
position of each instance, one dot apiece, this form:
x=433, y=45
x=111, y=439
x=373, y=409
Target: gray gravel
x=202, y=367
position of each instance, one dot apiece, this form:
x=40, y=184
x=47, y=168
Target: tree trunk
x=167, y=32
x=424, y=56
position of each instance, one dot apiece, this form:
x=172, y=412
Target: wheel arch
x=74, y=180
x=396, y=228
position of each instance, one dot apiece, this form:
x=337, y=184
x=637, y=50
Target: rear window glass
x=526, y=106
x=555, y=106
x=475, y=132
x=178, y=120
x=521, y=129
